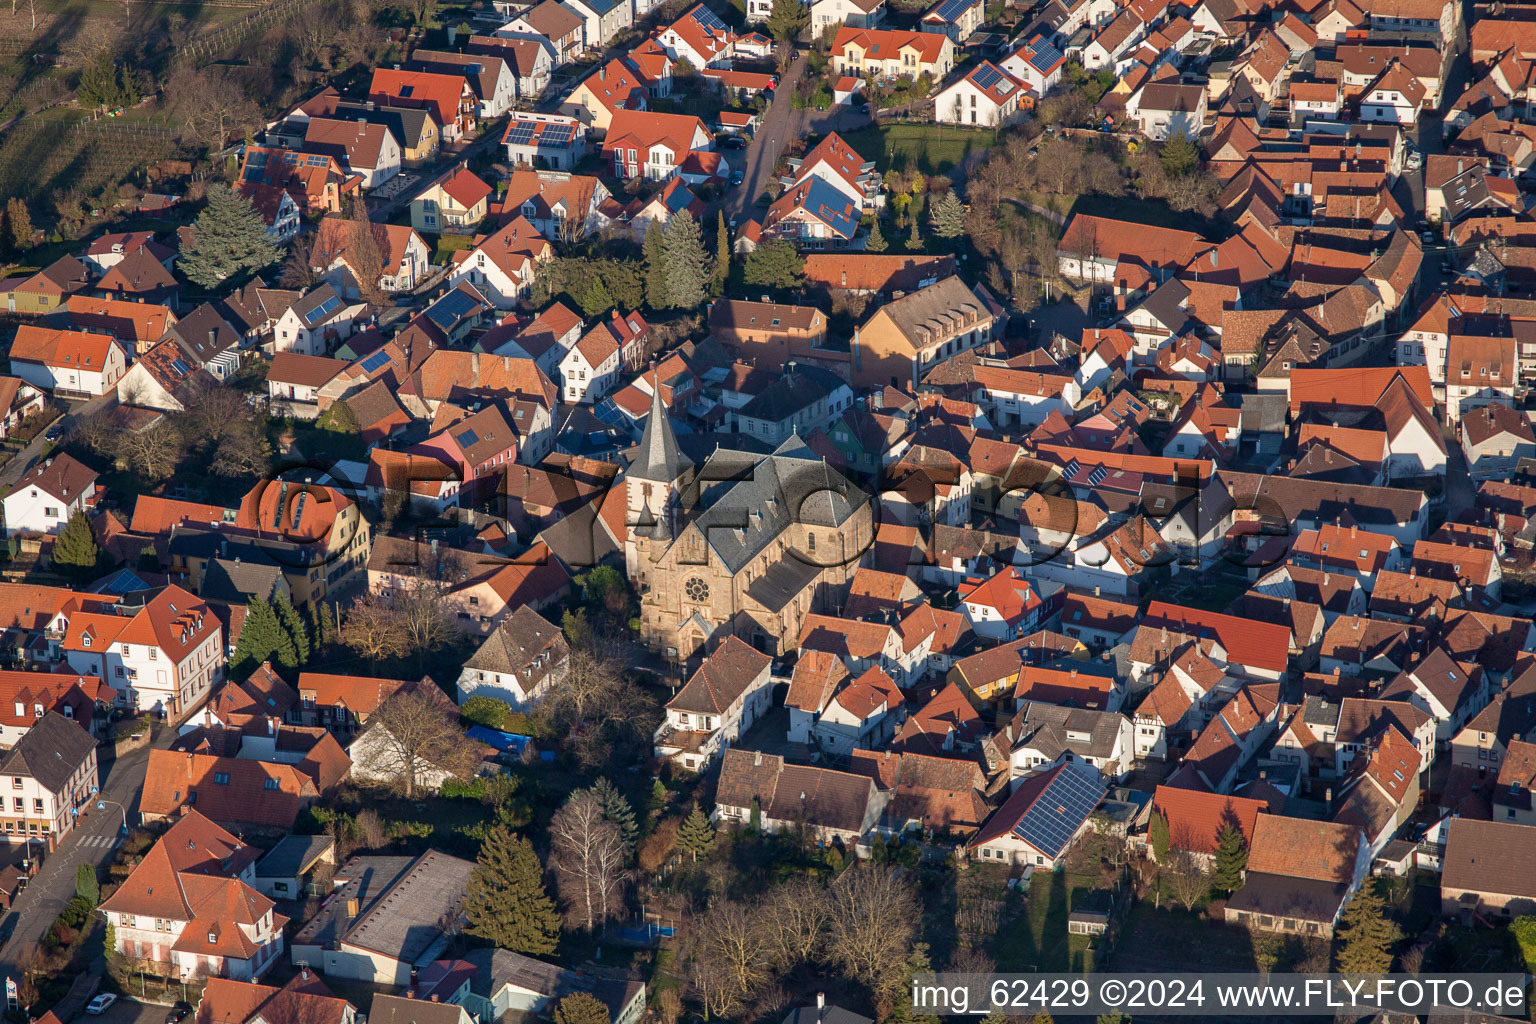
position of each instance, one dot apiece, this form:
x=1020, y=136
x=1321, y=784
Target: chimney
x=821, y=1000
x=757, y=758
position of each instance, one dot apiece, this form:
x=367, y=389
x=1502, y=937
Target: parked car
x=737, y=178
x=178, y=1013
x=99, y=1005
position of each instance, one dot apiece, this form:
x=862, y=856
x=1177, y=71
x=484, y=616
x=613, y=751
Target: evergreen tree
x=262, y=638
x=293, y=626
x=876, y=241
x=686, y=262
x=1179, y=156
x=18, y=225
x=1366, y=934
x=787, y=19
x=618, y=812
x=914, y=237
x=1231, y=857
x=76, y=551
x=696, y=835
x=595, y=300
x=1113, y=1018
x=582, y=1008
x=658, y=798
x=1162, y=842
x=656, y=293
x=775, y=263
x=228, y=237
x=722, y=249
x=506, y=901
x=947, y=216
x=319, y=624
x=87, y=886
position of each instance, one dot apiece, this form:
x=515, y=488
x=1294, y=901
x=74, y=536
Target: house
x=455, y=201
x=388, y=915
x=1195, y=818
x=891, y=54
x=556, y=28
x=529, y=61
x=1494, y=439
x=140, y=277
x=491, y=77
x=48, y=289
x=851, y=13
x=813, y=215
x=1037, y=64
x=545, y=141
x=314, y=323
x=208, y=341
x=614, y=87
x=138, y=325
x=48, y=494
x=241, y=793
x=557, y=204
x=837, y=163
x=862, y=715
x=590, y=369
x=720, y=701
x=834, y=805
x=294, y=382
x=1162, y=110
x=986, y=95
x=277, y=208
x=804, y=399
x=1395, y=97
x=1047, y=733
x=956, y=19
x=447, y=97
x=518, y=662
x=1038, y=823
x=1488, y=869
x=604, y=19
x=1004, y=607
x=925, y=794
x=52, y=772
x=408, y=1009
x=507, y=982
x=69, y=364
x=163, y=379
x=642, y=144
x=164, y=657
x=698, y=37
x=377, y=752
x=108, y=250
x=1382, y=790
x=26, y=697
x=18, y=401
x=502, y=264
x=906, y=338
x=284, y=872
x=403, y=259
x=367, y=150
x=190, y=909
x=303, y=998
x=342, y=703
x=1299, y=875
x=418, y=135
x=817, y=676
x=1446, y=690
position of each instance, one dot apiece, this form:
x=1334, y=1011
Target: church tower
x=653, y=485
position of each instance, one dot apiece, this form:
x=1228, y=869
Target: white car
x=100, y=1003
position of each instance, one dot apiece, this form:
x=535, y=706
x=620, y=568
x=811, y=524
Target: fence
x=205, y=49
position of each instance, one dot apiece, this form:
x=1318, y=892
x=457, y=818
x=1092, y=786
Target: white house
x=1037, y=64
x=45, y=497
x=728, y=693
x=1004, y=607
x=1039, y=822
x=591, y=368
x=165, y=657
x=1049, y=733
x=72, y=364
x=52, y=777
x=1165, y=109
x=985, y=95
x=502, y=265
x=518, y=662
x=1395, y=97
x=864, y=715
x=854, y=13
x=315, y=324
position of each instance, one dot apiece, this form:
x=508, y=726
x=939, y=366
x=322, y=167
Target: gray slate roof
x=659, y=460
x=50, y=752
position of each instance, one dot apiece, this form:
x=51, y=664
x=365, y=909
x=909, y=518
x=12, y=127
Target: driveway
x=75, y=412
x=92, y=841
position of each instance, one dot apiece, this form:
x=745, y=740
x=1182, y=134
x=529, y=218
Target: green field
x=931, y=149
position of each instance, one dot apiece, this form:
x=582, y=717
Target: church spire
x=659, y=459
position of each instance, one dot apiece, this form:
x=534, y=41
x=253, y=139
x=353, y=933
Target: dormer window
x=85, y=639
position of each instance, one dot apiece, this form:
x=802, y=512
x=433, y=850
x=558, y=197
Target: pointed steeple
x=659, y=459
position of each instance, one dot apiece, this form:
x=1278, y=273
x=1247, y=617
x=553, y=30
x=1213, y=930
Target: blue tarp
x=505, y=741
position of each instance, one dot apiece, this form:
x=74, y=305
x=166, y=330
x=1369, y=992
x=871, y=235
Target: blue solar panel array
x=375, y=361
x=466, y=439
x=708, y=18
x=949, y=10
x=1097, y=476
x=988, y=76
x=1045, y=56
x=1065, y=804
x=325, y=309
x=521, y=134
x=446, y=311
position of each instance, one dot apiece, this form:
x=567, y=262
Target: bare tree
x=594, y=677
x=367, y=243
x=372, y=629
x=588, y=856
x=874, y=917
x=298, y=270
x=1188, y=878
x=213, y=109
x=796, y=915
x=419, y=599
x=416, y=736
x=153, y=452
x=731, y=954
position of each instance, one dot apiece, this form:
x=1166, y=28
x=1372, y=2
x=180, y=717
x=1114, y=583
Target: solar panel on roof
x=1065, y=803
x=375, y=361
x=986, y=76
x=1045, y=57
x=325, y=309
x=949, y=10
x=706, y=17
x=1097, y=476
x=1070, y=469
x=180, y=367
x=466, y=438
x=557, y=134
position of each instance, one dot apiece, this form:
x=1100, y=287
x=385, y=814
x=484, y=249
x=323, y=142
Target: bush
x=1216, y=910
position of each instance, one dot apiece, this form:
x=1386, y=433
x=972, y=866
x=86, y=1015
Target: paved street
x=766, y=145
x=28, y=455
x=90, y=842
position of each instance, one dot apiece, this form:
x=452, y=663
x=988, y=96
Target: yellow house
x=891, y=53
x=905, y=339
x=456, y=201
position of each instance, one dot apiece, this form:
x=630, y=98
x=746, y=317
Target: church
x=744, y=544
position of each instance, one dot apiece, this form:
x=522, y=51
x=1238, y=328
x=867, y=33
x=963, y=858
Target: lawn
x=447, y=245
x=931, y=149
x=1036, y=941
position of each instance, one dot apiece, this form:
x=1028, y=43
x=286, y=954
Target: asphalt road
x=92, y=841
